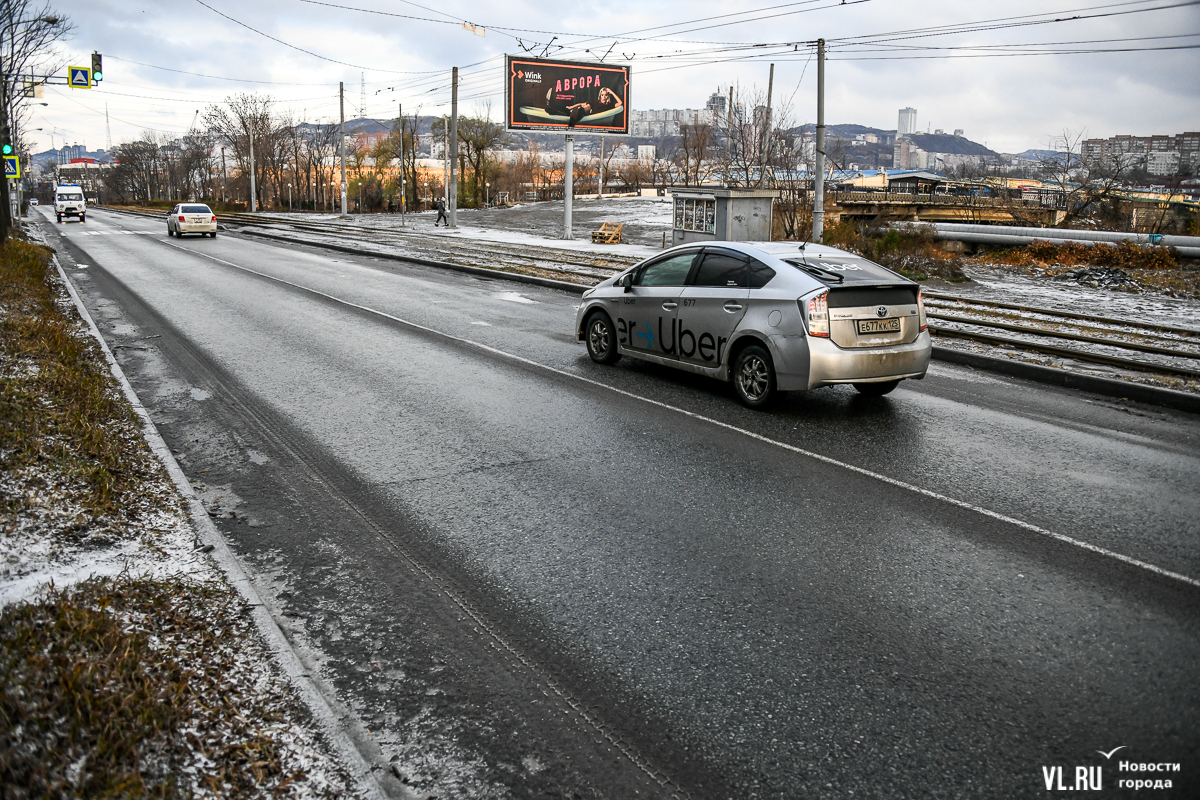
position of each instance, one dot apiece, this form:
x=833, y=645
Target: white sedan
x=191, y=218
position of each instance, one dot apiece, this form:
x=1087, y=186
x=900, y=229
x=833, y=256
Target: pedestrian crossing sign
x=12, y=167
x=79, y=77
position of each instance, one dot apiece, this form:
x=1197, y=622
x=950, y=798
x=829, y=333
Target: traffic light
x=7, y=149
x=97, y=68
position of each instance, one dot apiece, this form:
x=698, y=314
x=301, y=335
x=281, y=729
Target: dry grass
x=914, y=254
x=135, y=689
x=1125, y=256
x=63, y=421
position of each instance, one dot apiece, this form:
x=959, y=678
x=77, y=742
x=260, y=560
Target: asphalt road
x=528, y=575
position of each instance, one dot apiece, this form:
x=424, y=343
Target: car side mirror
x=627, y=281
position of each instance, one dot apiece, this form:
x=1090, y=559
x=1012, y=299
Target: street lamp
x=487, y=193
x=289, y=198
x=425, y=199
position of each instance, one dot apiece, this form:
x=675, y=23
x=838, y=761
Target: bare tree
x=480, y=136
x=693, y=155
x=1084, y=183
x=234, y=122
x=27, y=30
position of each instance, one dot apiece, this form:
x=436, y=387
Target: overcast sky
x=679, y=56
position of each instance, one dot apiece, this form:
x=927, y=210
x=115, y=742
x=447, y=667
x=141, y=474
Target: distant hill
x=46, y=156
x=947, y=143
x=844, y=131
x=1038, y=155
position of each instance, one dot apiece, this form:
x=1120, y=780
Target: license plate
x=891, y=325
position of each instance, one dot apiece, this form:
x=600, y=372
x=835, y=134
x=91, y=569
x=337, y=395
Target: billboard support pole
x=568, y=185
x=600, y=181
x=818, y=229
x=452, y=189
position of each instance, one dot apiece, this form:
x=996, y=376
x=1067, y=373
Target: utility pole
x=819, y=167
x=446, y=159
x=568, y=186
x=342, y=139
x=253, y=192
x=600, y=183
x=224, y=179
x=766, y=132
x=400, y=113
x=728, y=134
x=452, y=190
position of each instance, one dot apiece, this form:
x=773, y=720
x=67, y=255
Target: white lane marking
x=1166, y=573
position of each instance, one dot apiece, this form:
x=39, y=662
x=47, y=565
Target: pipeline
x=1005, y=235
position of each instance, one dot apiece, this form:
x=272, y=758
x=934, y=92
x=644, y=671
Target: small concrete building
x=714, y=214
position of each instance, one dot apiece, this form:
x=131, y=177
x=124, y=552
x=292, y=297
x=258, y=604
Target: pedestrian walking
x=441, y=209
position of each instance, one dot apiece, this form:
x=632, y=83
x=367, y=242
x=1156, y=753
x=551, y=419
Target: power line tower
x=362, y=99
x=107, y=131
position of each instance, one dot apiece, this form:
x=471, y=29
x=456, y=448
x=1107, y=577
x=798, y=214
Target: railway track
x=1124, y=343
x=463, y=251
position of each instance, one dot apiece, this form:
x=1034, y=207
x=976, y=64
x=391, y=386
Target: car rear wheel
x=213, y=234
x=754, y=377
x=601, y=338
x=876, y=389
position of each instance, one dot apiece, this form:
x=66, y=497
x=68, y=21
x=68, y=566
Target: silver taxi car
x=768, y=316
x=191, y=218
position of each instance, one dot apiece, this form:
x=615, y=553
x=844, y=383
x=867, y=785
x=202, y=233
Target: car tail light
x=214, y=219
x=181, y=219
x=921, y=310
x=817, y=315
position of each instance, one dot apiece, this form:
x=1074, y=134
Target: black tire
x=601, y=338
x=214, y=234
x=878, y=389
x=754, y=377
x=81, y=218
x=170, y=231
x=59, y=218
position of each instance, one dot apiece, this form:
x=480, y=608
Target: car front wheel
x=754, y=377
x=878, y=389
x=601, y=339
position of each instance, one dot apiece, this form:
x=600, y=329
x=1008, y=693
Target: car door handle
x=670, y=305
x=732, y=306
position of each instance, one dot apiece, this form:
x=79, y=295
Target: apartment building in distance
x=1158, y=155
x=656, y=123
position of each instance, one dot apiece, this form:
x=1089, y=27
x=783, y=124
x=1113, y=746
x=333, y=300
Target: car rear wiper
x=820, y=273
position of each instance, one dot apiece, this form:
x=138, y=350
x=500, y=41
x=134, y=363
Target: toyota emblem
x=881, y=311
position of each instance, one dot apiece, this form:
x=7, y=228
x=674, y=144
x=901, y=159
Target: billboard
x=567, y=96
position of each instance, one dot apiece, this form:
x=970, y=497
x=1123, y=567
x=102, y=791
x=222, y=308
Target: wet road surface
x=524, y=578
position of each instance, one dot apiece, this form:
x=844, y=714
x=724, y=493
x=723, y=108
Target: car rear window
x=197, y=210
x=851, y=269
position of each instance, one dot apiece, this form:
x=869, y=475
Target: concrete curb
x=317, y=696
x=1110, y=387
x=566, y=286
